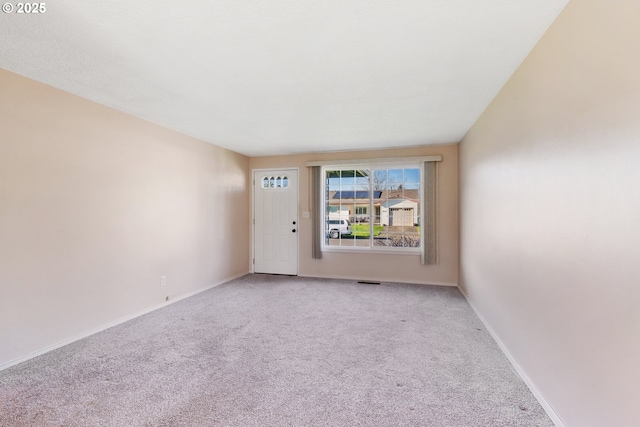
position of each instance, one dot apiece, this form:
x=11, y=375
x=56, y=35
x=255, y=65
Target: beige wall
x=550, y=214
x=95, y=206
x=405, y=268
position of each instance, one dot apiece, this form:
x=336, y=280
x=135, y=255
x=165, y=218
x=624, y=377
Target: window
x=373, y=206
x=275, y=182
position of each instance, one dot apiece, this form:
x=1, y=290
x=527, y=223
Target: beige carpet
x=281, y=351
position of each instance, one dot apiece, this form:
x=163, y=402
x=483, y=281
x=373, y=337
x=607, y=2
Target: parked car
x=338, y=227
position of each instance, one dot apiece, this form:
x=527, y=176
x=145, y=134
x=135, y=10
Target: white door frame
x=253, y=215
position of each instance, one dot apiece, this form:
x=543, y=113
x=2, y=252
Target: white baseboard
x=536, y=393
x=112, y=324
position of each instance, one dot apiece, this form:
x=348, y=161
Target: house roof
x=355, y=194
x=347, y=197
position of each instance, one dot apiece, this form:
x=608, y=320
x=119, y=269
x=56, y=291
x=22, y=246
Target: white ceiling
x=283, y=76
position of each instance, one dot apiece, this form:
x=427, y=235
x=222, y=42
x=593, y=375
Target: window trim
x=371, y=165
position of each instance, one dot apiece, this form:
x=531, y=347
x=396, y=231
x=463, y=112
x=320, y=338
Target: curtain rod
x=435, y=158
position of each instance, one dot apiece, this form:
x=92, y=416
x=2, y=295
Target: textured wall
x=95, y=206
x=406, y=268
x=550, y=204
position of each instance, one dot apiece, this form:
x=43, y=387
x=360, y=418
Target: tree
x=381, y=181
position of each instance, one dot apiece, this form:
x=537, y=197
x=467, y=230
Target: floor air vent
x=365, y=282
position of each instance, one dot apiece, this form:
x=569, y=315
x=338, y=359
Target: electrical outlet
x=163, y=280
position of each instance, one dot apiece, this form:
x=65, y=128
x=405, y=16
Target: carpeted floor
x=281, y=351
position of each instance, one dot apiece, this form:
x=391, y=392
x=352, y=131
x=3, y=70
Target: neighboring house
x=399, y=212
x=391, y=207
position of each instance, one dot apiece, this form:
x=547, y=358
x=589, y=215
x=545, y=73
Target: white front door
x=275, y=206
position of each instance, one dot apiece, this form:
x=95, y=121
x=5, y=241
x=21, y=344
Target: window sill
x=376, y=251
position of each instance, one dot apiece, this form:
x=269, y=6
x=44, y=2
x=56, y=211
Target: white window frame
x=374, y=165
